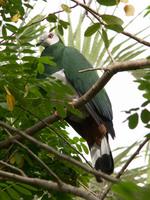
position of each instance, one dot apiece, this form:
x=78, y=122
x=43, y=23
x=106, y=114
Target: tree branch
x=56, y=153
x=110, y=70
x=30, y=131
x=49, y=185
x=58, y=134
x=123, y=66
x=98, y=17
x=12, y=167
x=139, y=40
x=50, y=172
x=120, y=173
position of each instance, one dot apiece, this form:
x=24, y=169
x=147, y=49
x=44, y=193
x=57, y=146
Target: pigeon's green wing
x=99, y=107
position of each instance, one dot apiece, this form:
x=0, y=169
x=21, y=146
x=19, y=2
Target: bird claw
x=71, y=103
x=56, y=113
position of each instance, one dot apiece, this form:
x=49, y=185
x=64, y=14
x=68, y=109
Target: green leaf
x=133, y=120
x=11, y=28
x=3, y=185
x=115, y=27
x=105, y=38
x=147, y=126
x=28, y=186
x=46, y=60
x=29, y=58
x=111, y=19
x=147, y=95
x=92, y=29
x=52, y=18
x=129, y=191
x=145, y=116
x=75, y=140
x=28, y=51
x=131, y=110
x=22, y=190
x=108, y=2
x=64, y=24
x=145, y=103
x=28, y=5
x=13, y=194
x=147, y=135
x=4, y=31
x=4, y=195
x=125, y=190
x=60, y=29
x=86, y=150
x=78, y=147
x=40, y=68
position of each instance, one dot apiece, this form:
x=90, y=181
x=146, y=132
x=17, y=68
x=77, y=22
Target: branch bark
x=110, y=71
x=50, y=185
x=98, y=17
x=45, y=166
x=12, y=167
x=107, y=75
x=56, y=153
x=120, y=173
x=30, y=131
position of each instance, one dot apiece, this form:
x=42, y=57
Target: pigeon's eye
x=51, y=35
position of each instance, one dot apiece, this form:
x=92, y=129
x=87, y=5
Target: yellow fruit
x=129, y=10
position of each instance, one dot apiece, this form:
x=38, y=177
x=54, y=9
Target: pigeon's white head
x=48, y=39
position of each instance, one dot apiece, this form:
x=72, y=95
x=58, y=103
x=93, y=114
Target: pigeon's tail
x=102, y=157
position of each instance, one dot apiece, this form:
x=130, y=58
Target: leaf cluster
x=31, y=99
x=141, y=112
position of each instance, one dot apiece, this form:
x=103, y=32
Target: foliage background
x=24, y=100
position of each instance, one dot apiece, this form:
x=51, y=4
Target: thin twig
x=107, y=49
x=94, y=13
x=59, y=135
x=55, y=152
x=139, y=40
x=50, y=172
x=49, y=185
x=87, y=188
x=122, y=66
x=107, y=75
x=39, y=21
x=120, y=173
x=30, y=131
x=93, y=69
x=12, y=167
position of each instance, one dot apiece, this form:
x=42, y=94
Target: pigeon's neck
x=55, y=51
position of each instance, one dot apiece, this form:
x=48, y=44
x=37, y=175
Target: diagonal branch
x=50, y=172
x=139, y=40
x=50, y=185
x=98, y=17
x=30, y=131
x=120, y=173
x=58, y=134
x=56, y=153
x=12, y=167
x=110, y=71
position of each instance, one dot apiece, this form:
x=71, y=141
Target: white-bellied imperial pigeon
x=97, y=121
